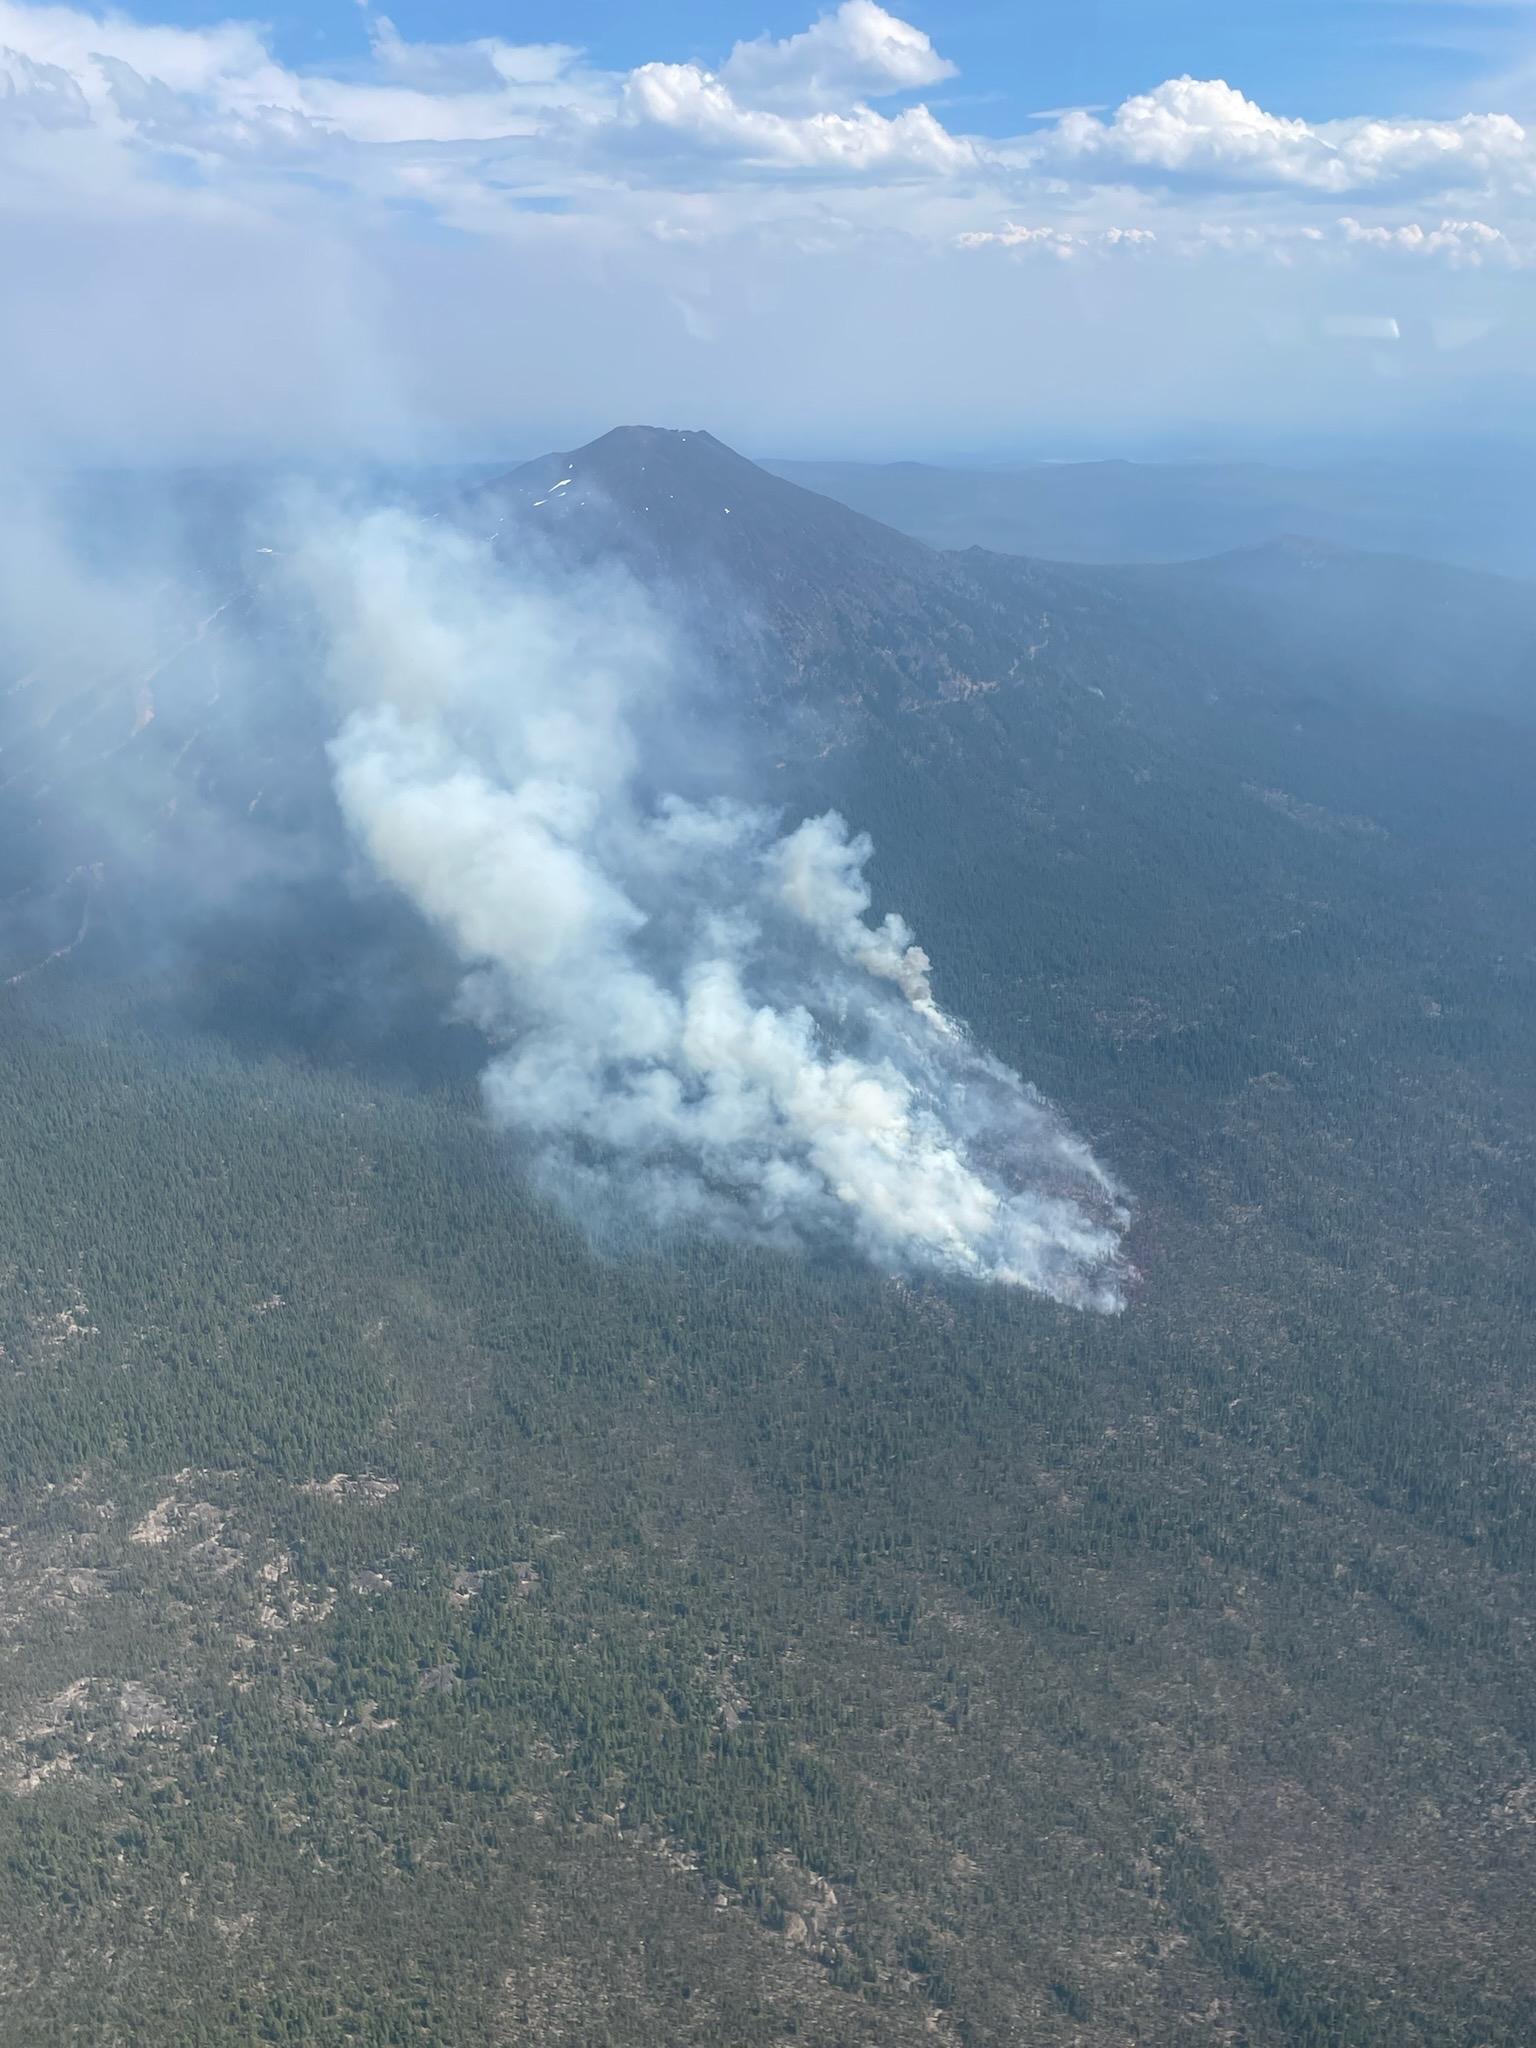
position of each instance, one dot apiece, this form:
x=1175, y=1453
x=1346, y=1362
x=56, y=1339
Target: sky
x=1077, y=226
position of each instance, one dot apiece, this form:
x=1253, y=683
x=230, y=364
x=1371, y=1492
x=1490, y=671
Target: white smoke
x=819, y=871
x=693, y=1013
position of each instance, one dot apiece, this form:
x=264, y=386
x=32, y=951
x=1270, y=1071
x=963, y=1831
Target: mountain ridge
x=1107, y=512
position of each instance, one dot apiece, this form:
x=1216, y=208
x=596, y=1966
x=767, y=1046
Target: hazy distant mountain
x=1400, y=629
x=1481, y=514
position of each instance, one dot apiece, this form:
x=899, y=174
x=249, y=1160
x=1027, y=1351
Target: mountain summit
x=679, y=502
x=797, y=590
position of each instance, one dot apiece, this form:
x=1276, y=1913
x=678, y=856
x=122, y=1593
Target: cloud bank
x=1204, y=129
x=698, y=1022
x=215, y=107
x=436, y=242
x=216, y=116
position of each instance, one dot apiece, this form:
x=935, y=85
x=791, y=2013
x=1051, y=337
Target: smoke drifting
x=693, y=1011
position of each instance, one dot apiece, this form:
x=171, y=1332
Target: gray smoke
x=694, y=1012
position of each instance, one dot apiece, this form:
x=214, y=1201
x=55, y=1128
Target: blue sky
x=878, y=229
x=1325, y=58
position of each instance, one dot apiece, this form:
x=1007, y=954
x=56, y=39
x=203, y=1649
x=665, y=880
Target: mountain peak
x=623, y=459
x=661, y=439
x=780, y=588
x=679, y=501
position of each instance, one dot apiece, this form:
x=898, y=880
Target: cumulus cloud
x=857, y=52
x=1469, y=243
x=219, y=97
x=682, y=104
x=479, y=132
x=1204, y=129
x=697, y=1020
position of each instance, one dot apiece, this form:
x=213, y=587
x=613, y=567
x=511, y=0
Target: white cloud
x=1455, y=244
x=484, y=64
x=1064, y=243
x=858, y=52
x=43, y=95
x=170, y=196
x=475, y=131
x=466, y=130
x=680, y=104
x=187, y=60
x=1270, y=238
x=1203, y=129
x=1461, y=242
x=1187, y=124
x=213, y=89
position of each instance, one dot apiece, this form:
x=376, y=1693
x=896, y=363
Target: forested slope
x=422, y=1627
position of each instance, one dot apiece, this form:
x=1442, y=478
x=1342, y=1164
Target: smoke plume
x=695, y=1016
